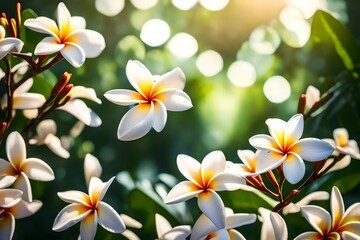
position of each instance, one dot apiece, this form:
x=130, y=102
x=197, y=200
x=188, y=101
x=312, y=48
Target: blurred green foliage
x=223, y=118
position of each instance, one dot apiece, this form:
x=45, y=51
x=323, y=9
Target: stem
x=9, y=108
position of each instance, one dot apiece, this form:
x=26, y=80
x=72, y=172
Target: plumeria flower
x=92, y=167
x=154, y=95
x=205, y=229
x=286, y=148
x=342, y=223
x=343, y=144
x=203, y=180
x=314, y=196
x=249, y=159
x=166, y=232
x=79, y=109
x=9, y=44
x=312, y=96
x=90, y=210
x=22, y=99
x=68, y=36
x=19, y=209
x=46, y=135
x=273, y=227
x=22, y=168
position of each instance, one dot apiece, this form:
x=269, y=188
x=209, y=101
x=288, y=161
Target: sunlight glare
x=109, y=8
x=307, y=7
x=184, y=4
x=144, y=5
x=209, y=63
x=182, y=45
x=264, y=40
x=242, y=74
x=214, y=5
x=277, y=89
x=155, y=32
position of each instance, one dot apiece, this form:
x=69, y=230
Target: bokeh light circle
x=184, y=4
x=209, y=63
x=182, y=45
x=109, y=8
x=277, y=89
x=155, y=32
x=242, y=74
x=264, y=40
x=214, y=5
x=144, y=4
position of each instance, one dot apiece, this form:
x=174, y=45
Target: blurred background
x=244, y=61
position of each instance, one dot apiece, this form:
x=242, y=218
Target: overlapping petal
x=92, y=42
x=309, y=236
x=160, y=116
x=9, y=197
x=22, y=183
x=74, y=196
x=74, y=54
x=92, y=167
x=69, y=216
x=175, y=100
x=190, y=168
x=124, y=97
x=15, y=149
x=173, y=79
x=227, y=182
x=264, y=142
x=25, y=209
x=337, y=206
x=318, y=218
x=212, y=206
x=313, y=149
x=212, y=164
x=84, y=92
x=10, y=44
x=88, y=226
x=42, y=25
x=139, y=77
x=7, y=226
x=47, y=46
x=202, y=227
x=109, y=219
x=294, y=168
x=182, y=191
x=37, y=169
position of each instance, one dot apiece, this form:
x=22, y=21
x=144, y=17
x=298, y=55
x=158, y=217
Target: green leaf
x=327, y=29
x=43, y=83
x=29, y=37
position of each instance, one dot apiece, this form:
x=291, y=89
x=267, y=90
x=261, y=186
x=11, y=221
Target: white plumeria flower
x=343, y=144
x=22, y=99
x=46, y=135
x=250, y=161
x=68, y=36
x=9, y=44
x=312, y=96
x=22, y=168
x=166, y=232
x=90, y=210
x=314, y=196
x=21, y=209
x=79, y=109
x=204, y=180
x=273, y=227
x=286, y=148
x=92, y=167
x=341, y=223
x=205, y=229
x=154, y=96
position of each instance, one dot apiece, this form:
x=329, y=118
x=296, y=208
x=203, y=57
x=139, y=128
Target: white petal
x=337, y=206
x=343, y=163
x=42, y=25
x=350, y=236
x=88, y=226
x=9, y=197
x=202, y=227
x=313, y=149
x=109, y=219
x=47, y=46
x=190, y=168
x=98, y=189
x=247, y=157
x=6, y=181
x=235, y=235
x=312, y=96
x=93, y=43
x=264, y=142
x=63, y=16
x=136, y=122
x=309, y=236
x=294, y=208
x=212, y=164
x=45, y=127
x=227, y=182
x=160, y=116
x=10, y=45
x=78, y=22
x=124, y=97
x=277, y=129
x=351, y=214
x=74, y=197
x=7, y=226
x=279, y=226
x=84, y=92
x=74, y=54
x=28, y=101
x=294, y=168
x=81, y=111
x=23, y=184
x=341, y=137
x=92, y=167
x=54, y=144
x=15, y=149
x=239, y=219
x=25, y=209
x=267, y=230
x=212, y=206
x=181, y=192
x=173, y=79
x=37, y=169
x=130, y=235
x=25, y=87
x=317, y=217
x=69, y=216
x=162, y=225
x=175, y=100
x=269, y=161
x=178, y=233
x=293, y=129
x=130, y=222
x=139, y=76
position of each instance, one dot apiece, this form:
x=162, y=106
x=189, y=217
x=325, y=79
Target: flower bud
x=302, y=104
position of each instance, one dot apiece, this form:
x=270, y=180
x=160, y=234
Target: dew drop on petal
x=242, y=74
x=277, y=89
x=110, y=8
x=209, y=63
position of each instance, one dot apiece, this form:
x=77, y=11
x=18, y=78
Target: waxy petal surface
x=74, y=54
x=25, y=209
x=109, y=219
x=318, y=218
x=92, y=42
x=160, y=116
x=88, y=226
x=181, y=192
x=75, y=196
x=190, y=168
x=337, y=206
x=139, y=77
x=212, y=206
x=37, y=169
x=47, y=46
x=69, y=216
x=313, y=149
x=7, y=226
x=15, y=149
x=124, y=97
x=294, y=168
